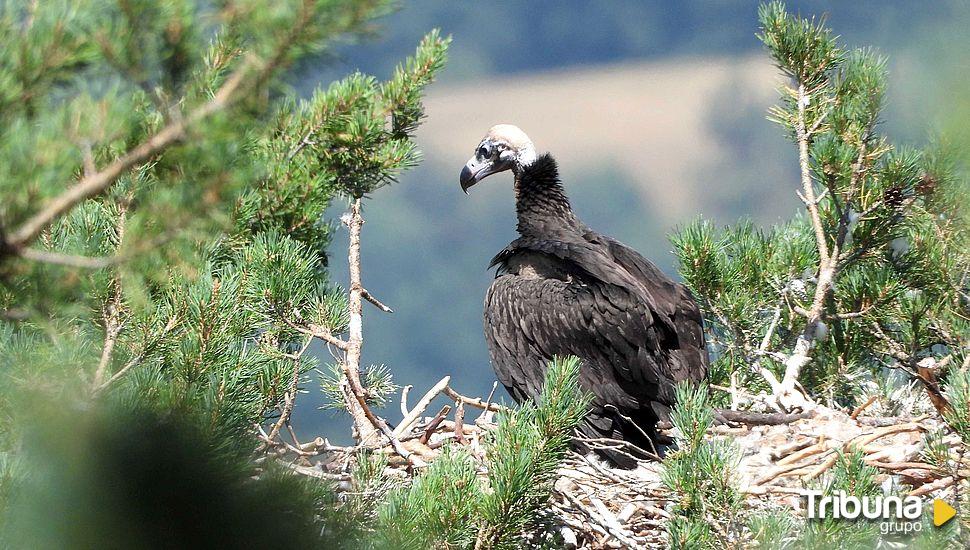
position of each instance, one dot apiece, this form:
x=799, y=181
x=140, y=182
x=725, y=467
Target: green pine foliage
x=701, y=473
x=525, y=451
x=891, y=292
x=868, y=286
x=160, y=263
x=450, y=505
x=958, y=394
x=438, y=509
x=775, y=529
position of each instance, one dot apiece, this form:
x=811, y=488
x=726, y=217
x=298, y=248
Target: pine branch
x=112, y=328
x=787, y=394
x=377, y=303
x=67, y=260
x=473, y=401
x=170, y=326
x=95, y=184
x=808, y=187
x=321, y=333
x=289, y=398
x=96, y=262
x=113, y=309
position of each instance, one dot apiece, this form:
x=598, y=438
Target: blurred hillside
x=655, y=112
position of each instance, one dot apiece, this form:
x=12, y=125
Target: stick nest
x=596, y=506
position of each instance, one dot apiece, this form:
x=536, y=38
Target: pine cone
x=927, y=184
x=893, y=197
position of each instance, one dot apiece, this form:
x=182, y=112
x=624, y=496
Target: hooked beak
x=475, y=171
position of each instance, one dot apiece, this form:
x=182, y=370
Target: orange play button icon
x=942, y=512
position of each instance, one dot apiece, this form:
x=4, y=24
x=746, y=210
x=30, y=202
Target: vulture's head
x=504, y=147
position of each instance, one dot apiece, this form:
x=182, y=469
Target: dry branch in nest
x=602, y=507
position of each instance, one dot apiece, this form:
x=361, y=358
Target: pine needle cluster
x=702, y=475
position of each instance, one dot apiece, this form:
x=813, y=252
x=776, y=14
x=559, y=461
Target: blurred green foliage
x=702, y=475
x=115, y=476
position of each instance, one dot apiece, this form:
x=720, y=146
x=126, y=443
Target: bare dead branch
x=381, y=426
x=803, y=137
x=858, y=410
x=359, y=411
x=733, y=391
x=404, y=399
x=319, y=332
x=801, y=311
x=411, y=417
x=934, y=486
x=486, y=414
x=472, y=401
x=792, y=447
x=460, y=423
x=289, y=398
x=758, y=419
x=370, y=298
x=856, y=314
x=625, y=448
x=435, y=422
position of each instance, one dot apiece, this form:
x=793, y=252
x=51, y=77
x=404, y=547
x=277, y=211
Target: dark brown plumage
x=563, y=289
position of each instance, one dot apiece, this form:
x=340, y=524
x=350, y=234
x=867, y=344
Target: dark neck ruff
x=540, y=201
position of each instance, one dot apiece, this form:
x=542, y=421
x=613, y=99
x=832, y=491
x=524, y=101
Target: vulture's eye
x=483, y=152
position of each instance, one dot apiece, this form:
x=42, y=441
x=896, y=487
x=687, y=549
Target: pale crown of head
x=514, y=146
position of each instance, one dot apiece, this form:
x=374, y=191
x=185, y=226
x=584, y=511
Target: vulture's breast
x=531, y=314
x=536, y=307
x=531, y=265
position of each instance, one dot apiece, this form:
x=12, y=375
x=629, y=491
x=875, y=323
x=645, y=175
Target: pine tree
x=871, y=278
x=861, y=298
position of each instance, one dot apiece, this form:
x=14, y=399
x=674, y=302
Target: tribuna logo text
x=845, y=506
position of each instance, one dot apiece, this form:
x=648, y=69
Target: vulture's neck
x=540, y=201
